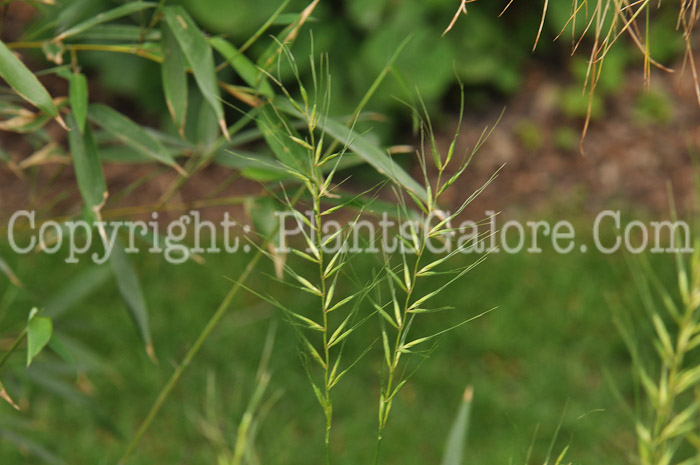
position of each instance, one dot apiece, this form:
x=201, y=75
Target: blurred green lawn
x=538, y=361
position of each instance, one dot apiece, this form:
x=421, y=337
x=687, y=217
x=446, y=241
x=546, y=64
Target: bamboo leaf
x=128, y=33
x=88, y=171
x=118, y=12
x=39, y=331
x=78, y=96
x=199, y=56
x=131, y=134
x=76, y=290
x=262, y=211
x=174, y=76
x=243, y=66
x=363, y=147
x=57, y=346
x=277, y=134
x=130, y=290
x=24, y=82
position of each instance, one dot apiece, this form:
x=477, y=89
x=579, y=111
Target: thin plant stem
x=201, y=339
x=15, y=344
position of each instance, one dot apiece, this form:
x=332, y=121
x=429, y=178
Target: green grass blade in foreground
x=130, y=134
x=107, y=16
x=130, y=290
x=198, y=53
x=368, y=151
x=457, y=437
x=24, y=82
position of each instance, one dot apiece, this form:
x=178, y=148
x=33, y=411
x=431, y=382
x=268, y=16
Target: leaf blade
x=243, y=66
x=454, y=446
x=115, y=13
x=130, y=290
x=24, y=82
x=86, y=163
x=78, y=97
x=174, y=77
x=39, y=330
x=130, y=133
x=360, y=145
x=199, y=55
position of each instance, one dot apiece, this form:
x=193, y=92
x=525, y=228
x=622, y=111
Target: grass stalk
x=199, y=342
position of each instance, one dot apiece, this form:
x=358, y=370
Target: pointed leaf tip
x=39, y=330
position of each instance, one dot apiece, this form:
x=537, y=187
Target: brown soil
x=628, y=160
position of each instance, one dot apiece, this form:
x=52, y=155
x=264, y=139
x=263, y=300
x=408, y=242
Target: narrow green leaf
x=174, y=75
x=258, y=168
x=76, y=290
x=57, y=346
x=262, y=212
x=335, y=378
x=24, y=82
x=130, y=290
x=363, y=147
x=198, y=53
x=39, y=331
x=454, y=446
x=128, y=33
x=130, y=134
x=78, y=96
x=86, y=162
x=277, y=134
x=243, y=66
x=118, y=12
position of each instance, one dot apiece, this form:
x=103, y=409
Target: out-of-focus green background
x=549, y=356
x=548, y=359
